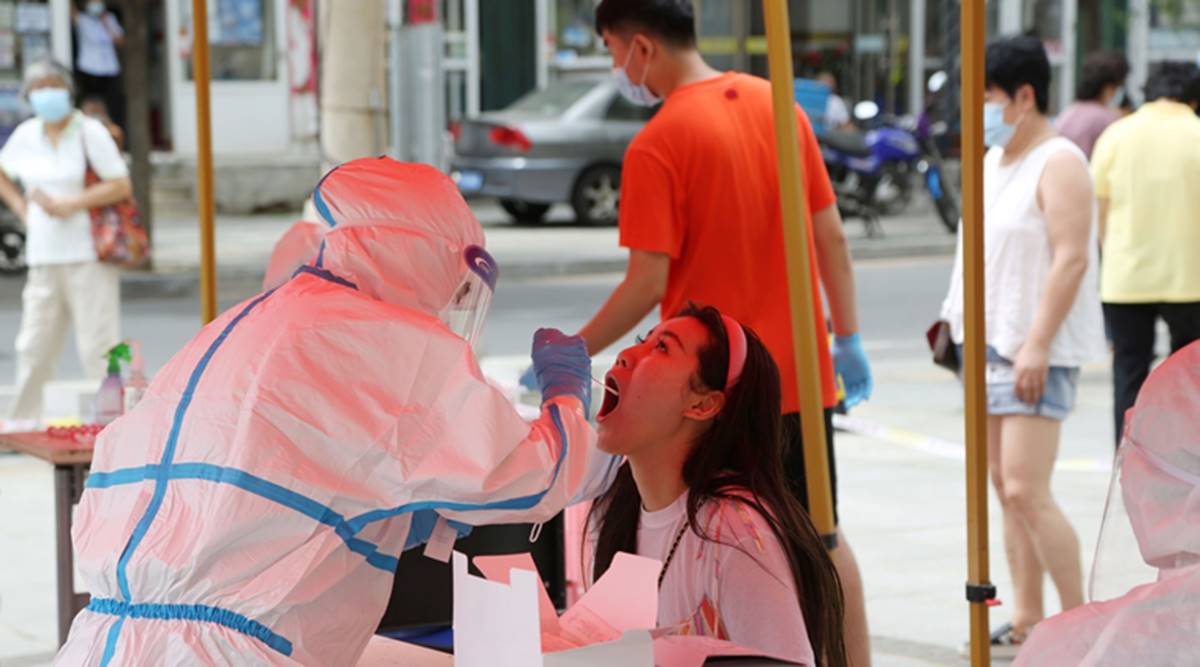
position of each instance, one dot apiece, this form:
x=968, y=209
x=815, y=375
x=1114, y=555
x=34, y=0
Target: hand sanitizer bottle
x=110, y=400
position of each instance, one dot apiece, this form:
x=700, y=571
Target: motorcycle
x=873, y=168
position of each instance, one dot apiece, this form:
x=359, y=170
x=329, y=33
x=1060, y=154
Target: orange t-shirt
x=700, y=183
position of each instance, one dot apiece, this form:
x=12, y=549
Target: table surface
x=59, y=451
x=385, y=652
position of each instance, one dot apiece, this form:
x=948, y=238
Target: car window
x=554, y=99
x=623, y=109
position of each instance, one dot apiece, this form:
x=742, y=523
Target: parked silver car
x=564, y=143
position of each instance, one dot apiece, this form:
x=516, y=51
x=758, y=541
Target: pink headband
x=737, y=350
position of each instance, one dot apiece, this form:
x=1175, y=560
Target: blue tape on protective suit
x=190, y=612
x=259, y=487
x=519, y=503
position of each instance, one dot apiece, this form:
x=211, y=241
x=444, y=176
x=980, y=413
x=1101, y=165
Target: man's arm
x=837, y=272
x=643, y=288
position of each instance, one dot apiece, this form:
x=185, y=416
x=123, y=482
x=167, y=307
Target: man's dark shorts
x=793, y=459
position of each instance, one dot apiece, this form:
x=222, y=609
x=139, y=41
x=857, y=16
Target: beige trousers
x=86, y=294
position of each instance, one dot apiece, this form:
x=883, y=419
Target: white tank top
x=1017, y=258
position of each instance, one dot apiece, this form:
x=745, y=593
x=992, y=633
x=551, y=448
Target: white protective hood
x=1156, y=497
x=251, y=509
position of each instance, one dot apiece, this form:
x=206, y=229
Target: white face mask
x=636, y=93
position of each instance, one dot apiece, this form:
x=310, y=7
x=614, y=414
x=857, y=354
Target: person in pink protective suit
x=252, y=508
x=1157, y=484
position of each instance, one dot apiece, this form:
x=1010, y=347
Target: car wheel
x=523, y=211
x=596, y=198
x=12, y=250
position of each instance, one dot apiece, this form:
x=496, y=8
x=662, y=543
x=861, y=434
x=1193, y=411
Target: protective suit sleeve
x=482, y=463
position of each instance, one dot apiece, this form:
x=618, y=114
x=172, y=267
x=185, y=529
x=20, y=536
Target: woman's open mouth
x=612, y=398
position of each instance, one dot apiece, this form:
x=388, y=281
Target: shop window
x=241, y=36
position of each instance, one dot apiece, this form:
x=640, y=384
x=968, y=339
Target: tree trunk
x=137, y=118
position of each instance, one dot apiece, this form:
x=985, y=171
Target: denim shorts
x=1057, y=401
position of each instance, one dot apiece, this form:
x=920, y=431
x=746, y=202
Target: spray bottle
x=135, y=388
x=110, y=400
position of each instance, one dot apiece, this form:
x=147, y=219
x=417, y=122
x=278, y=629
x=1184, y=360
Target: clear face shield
x=1150, y=525
x=467, y=310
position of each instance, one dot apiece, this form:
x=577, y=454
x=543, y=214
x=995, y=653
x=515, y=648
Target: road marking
x=946, y=449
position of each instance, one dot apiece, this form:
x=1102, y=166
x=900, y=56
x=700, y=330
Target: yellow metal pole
x=204, y=169
x=979, y=588
x=800, y=287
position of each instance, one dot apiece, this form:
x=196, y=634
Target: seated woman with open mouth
x=694, y=408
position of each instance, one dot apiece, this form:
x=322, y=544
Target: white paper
x=384, y=652
x=693, y=651
x=626, y=597
x=633, y=649
x=441, y=541
x=495, y=625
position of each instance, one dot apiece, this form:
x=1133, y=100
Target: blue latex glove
x=850, y=362
x=562, y=366
x=529, y=379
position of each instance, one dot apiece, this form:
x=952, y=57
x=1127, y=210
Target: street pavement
x=901, y=470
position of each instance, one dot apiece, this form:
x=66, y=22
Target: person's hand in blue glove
x=850, y=362
x=562, y=366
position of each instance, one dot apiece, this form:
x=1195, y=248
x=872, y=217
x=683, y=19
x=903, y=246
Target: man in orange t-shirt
x=701, y=215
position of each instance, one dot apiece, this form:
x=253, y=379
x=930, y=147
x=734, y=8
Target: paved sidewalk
x=557, y=247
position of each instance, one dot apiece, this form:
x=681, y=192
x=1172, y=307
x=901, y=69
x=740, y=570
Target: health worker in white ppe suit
x=1145, y=582
x=251, y=509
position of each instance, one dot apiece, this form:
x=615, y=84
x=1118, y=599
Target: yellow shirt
x=1147, y=166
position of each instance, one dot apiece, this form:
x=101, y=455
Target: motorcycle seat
x=850, y=143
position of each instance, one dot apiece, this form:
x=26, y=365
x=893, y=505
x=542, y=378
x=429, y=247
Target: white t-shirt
x=97, y=53
x=836, y=112
x=29, y=157
x=738, y=587
x=1017, y=258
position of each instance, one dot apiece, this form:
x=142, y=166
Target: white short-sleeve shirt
x=97, y=52
x=29, y=157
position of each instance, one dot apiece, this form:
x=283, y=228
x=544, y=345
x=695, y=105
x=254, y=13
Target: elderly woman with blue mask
x=48, y=156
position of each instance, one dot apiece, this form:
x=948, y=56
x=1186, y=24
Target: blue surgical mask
x=50, y=104
x=96, y=8
x=636, y=93
x=996, y=132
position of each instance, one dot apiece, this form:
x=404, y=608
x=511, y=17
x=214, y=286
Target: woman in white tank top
x=1043, y=320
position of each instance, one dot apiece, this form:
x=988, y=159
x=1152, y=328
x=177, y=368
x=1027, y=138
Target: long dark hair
x=742, y=451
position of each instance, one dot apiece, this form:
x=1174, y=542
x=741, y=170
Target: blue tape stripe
x=103, y=480
x=321, y=255
x=110, y=646
x=188, y=612
x=325, y=275
x=520, y=503
x=259, y=487
x=319, y=201
x=160, y=487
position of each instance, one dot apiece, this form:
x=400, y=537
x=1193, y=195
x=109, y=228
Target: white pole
x=472, y=27
x=397, y=141
x=1010, y=16
x=541, y=27
x=1139, y=46
x=916, y=57
x=1070, y=16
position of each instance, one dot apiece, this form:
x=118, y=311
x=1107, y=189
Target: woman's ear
x=705, y=406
